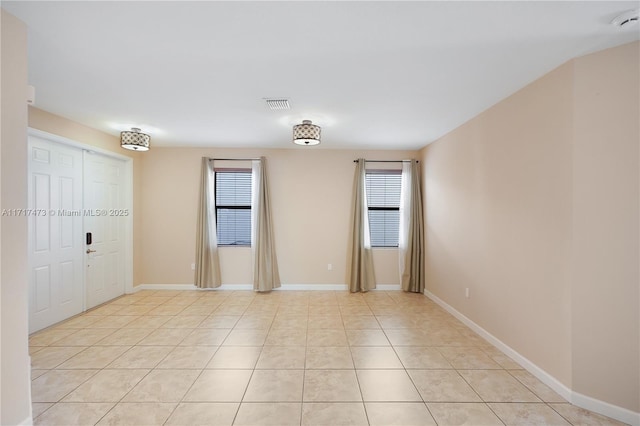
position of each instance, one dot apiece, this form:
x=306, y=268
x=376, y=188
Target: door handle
x=90, y=251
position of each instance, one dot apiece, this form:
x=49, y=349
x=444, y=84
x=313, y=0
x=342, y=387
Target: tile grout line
x=255, y=309
x=304, y=366
x=141, y=379
x=404, y=368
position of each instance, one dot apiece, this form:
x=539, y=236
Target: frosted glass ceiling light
x=306, y=134
x=134, y=140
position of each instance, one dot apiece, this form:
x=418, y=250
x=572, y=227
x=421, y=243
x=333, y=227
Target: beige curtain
x=411, y=238
x=362, y=276
x=207, y=262
x=265, y=266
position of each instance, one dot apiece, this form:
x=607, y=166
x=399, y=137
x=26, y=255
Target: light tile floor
x=283, y=358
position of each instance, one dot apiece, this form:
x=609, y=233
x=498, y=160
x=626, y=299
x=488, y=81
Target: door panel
x=71, y=192
x=104, y=197
x=55, y=233
x=42, y=202
x=42, y=294
x=66, y=287
x=66, y=222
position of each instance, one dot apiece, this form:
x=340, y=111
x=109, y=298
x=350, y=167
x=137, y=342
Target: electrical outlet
x=466, y=292
x=329, y=267
x=193, y=266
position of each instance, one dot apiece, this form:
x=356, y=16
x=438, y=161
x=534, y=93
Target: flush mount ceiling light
x=306, y=134
x=626, y=19
x=134, y=140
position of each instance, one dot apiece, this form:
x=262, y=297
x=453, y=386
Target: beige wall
x=533, y=205
x=14, y=354
x=498, y=215
x=51, y=123
x=606, y=319
x=311, y=202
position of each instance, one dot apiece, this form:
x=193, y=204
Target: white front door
x=73, y=192
x=55, y=232
x=105, y=218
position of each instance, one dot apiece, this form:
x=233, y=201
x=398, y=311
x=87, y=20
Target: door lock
x=90, y=251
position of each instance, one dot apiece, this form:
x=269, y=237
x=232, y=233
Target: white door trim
x=128, y=178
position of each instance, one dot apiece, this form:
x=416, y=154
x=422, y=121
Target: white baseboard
x=240, y=287
x=542, y=375
x=26, y=422
x=606, y=409
x=388, y=287
x=29, y=420
x=140, y=287
x=583, y=401
x=312, y=287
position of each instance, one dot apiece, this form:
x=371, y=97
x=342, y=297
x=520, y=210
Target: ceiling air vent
x=626, y=19
x=278, y=104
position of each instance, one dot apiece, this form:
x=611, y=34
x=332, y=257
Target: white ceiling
x=375, y=75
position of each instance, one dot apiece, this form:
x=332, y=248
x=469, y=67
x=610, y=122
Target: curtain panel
x=411, y=238
x=362, y=274
x=207, y=262
x=266, y=276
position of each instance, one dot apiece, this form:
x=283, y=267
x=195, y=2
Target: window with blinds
x=383, y=199
x=233, y=207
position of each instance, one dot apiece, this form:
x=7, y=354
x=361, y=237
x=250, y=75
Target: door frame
x=128, y=196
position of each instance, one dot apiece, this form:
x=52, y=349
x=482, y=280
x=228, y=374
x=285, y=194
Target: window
x=383, y=199
x=233, y=207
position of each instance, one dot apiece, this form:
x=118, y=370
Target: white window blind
x=383, y=199
x=233, y=207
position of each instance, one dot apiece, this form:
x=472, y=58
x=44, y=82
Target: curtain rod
x=385, y=161
x=233, y=159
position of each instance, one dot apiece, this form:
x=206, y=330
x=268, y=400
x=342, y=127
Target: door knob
x=90, y=251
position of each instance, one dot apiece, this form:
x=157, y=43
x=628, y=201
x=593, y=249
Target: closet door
x=105, y=219
x=55, y=223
